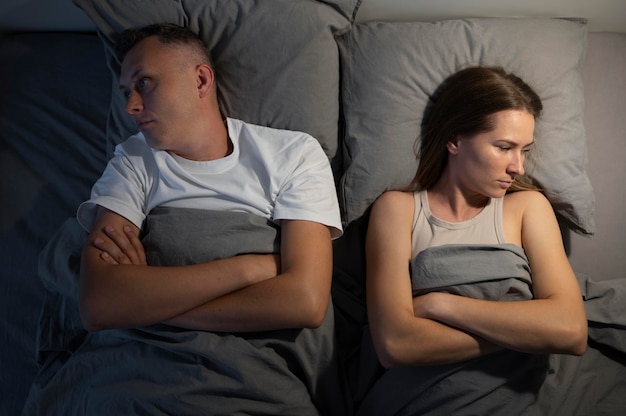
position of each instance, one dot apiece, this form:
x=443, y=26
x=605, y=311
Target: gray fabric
x=595, y=383
x=497, y=272
x=508, y=382
x=276, y=60
x=52, y=122
x=388, y=84
x=54, y=97
x=504, y=383
x=230, y=234
x=60, y=328
x=165, y=370
x=605, y=304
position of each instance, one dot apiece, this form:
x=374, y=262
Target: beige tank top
x=430, y=231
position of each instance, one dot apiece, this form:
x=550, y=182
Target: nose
x=134, y=103
x=516, y=165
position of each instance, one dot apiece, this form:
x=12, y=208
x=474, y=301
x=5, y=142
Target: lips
x=141, y=124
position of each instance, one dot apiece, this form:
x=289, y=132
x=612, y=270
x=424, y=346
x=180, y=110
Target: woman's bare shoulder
x=395, y=200
x=393, y=205
x=525, y=199
x=531, y=210
x=522, y=209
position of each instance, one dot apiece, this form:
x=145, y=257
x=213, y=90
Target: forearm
x=402, y=339
x=278, y=303
x=296, y=298
x=534, y=326
x=136, y=295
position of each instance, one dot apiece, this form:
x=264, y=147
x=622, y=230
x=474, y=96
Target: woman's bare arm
x=554, y=321
x=400, y=337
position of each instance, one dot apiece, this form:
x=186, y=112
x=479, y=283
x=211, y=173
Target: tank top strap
x=429, y=231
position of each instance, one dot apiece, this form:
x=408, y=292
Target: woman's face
x=487, y=163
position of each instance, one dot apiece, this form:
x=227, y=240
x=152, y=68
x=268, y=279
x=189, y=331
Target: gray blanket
x=167, y=370
x=492, y=272
x=507, y=382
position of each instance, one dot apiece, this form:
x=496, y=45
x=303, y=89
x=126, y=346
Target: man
x=186, y=155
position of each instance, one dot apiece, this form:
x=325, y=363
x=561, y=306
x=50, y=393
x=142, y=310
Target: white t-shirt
x=277, y=174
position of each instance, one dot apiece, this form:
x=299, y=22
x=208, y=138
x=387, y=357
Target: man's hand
x=126, y=248
x=121, y=247
x=117, y=289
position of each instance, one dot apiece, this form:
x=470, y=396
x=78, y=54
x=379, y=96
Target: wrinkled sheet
x=167, y=370
x=507, y=382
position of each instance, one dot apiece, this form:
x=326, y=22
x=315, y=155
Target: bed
x=361, y=90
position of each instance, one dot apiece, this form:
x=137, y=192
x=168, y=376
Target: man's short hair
x=167, y=33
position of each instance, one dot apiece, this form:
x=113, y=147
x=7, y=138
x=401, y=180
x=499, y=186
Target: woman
x=472, y=155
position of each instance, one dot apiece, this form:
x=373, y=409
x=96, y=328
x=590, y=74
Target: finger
x=136, y=243
x=112, y=250
x=124, y=246
x=107, y=258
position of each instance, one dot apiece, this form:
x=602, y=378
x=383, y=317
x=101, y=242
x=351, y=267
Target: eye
x=504, y=148
x=142, y=83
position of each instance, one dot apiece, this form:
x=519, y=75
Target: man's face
x=159, y=83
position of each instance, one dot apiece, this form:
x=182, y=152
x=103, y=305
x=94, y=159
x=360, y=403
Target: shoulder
x=525, y=212
x=134, y=142
x=394, y=197
x=394, y=204
x=288, y=154
x=277, y=138
x=522, y=201
x=533, y=213
x=134, y=147
x=390, y=223
x=134, y=154
x=257, y=129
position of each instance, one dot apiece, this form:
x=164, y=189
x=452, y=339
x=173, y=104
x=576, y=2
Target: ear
x=453, y=145
x=205, y=78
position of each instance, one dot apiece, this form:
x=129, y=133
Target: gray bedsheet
x=507, y=382
x=166, y=370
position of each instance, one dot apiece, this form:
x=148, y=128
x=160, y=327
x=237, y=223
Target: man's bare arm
x=119, y=292
x=297, y=298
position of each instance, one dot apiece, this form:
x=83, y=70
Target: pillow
x=276, y=61
x=390, y=70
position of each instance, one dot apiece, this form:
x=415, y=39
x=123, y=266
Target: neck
x=212, y=142
x=450, y=203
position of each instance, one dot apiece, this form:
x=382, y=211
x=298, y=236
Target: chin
x=499, y=193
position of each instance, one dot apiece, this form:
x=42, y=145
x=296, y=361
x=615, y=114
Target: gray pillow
x=390, y=70
x=276, y=60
